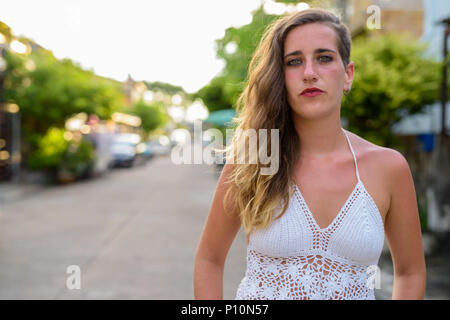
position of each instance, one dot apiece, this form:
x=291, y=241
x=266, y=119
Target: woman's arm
x=218, y=234
x=403, y=232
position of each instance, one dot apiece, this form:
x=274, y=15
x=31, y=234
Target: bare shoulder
x=390, y=160
x=387, y=164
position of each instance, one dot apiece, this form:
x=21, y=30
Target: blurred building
x=399, y=16
x=134, y=90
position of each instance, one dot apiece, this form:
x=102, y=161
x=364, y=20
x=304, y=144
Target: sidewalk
x=14, y=191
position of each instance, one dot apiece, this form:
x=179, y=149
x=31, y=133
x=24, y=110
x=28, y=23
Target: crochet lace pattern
x=296, y=259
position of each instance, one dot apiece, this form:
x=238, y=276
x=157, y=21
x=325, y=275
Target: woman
x=316, y=227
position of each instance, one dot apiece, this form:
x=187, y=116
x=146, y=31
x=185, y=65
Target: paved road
x=133, y=233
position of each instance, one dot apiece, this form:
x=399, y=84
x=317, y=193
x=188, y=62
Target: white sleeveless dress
x=296, y=259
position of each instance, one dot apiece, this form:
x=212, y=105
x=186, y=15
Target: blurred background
x=95, y=95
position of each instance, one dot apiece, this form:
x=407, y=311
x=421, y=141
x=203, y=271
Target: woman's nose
x=309, y=73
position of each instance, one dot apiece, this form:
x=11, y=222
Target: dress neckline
x=341, y=211
x=337, y=216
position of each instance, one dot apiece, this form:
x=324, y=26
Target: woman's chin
x=311, y=111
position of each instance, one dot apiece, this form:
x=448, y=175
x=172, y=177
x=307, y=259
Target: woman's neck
x=320, y=139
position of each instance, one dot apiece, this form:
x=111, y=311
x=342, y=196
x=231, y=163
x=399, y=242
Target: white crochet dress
x=296, y=259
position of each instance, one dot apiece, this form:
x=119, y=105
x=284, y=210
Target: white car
x=124, y=149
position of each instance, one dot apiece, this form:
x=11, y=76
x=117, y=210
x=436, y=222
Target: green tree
x=6, y=31
x=165, y=87
x=48, y=91
x=153, y=115
x=216, y=96
x=54, y=90
x=392, y=79
x=223, y=91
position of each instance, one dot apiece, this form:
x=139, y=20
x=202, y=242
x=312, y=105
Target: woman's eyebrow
x=298, y=52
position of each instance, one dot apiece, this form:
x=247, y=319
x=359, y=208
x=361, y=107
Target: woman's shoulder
x=390, y=160
x=373, y=151
x=382, y=169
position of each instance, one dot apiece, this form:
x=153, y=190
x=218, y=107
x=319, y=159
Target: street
x=133, y=233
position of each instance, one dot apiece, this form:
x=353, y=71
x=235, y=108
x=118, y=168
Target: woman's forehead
x=310, y=37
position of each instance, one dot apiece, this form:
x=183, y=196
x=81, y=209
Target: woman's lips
x=312, y=93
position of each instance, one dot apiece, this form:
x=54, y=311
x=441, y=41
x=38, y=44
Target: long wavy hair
x=263, y=105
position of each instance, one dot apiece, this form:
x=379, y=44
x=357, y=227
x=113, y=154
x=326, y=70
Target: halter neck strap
x=353, y=153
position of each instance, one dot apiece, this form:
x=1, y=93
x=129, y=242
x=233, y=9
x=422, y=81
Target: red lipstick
x=311, y=92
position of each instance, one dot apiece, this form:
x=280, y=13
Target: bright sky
x=155, y=40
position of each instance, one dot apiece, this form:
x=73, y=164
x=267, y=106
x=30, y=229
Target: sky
x=155, y=40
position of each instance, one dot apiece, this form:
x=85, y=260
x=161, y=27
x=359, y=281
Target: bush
x=62, y=159
x=50, y=152
x=78, y=159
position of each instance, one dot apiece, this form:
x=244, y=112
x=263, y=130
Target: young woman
x=316, y=227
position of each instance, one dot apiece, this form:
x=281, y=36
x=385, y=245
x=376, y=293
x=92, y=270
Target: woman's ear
x=349, y=73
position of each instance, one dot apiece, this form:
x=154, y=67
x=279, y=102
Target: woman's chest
x=356, y=232
x=326, y=189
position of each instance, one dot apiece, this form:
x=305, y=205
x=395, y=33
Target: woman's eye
x=325, y=58
x=293, y=62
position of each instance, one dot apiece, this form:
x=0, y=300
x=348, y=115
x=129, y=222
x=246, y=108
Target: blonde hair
x=263, y=105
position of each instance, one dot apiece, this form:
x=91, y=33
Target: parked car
x=144, y=153
x=124, y=154
x=124, y=149
x=144, y=149
x=158, y=148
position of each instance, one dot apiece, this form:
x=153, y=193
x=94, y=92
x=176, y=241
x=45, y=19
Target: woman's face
x=311, y=59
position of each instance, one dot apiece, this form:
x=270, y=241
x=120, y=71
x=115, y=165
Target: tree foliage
x=392, y=79
x=58, y=155
x=164, y=87
x=51, y=149
x=49, y=91
x=153, y=115
x=223, y=91
x=6, y=31
x=217, y=94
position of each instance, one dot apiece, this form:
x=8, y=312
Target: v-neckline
x=340, y=212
